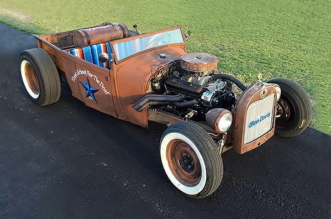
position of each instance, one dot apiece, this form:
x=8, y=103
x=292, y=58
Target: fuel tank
x=99, y=34
x=133, y=80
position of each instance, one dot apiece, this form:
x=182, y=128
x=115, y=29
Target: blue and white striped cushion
x=87, y=54
x=91, y=53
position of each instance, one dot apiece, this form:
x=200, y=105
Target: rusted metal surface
x=163, y=117
x=198, y=62
x=95, y=35
x=132, y=77
x=31, y=78
x=113, y=91
x=119, y=87
x=59, y=40
x=183, y=162
x=251, y=95
x=65, y=40
x=78, y=72
x=52, y=50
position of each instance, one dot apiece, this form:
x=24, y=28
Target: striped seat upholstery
x=91, y=53
x=77, y=52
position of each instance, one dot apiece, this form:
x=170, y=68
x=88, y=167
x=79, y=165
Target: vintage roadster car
x=151, y=77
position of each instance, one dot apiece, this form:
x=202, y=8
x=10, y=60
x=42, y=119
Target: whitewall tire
x=40, y=76
x=191, y=159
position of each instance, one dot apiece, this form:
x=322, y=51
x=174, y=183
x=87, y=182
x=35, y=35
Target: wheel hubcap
x=184, y=163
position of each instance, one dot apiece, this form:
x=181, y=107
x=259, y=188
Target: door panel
x=91, y=84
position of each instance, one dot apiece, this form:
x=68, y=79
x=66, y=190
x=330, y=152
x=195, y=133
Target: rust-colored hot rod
x=151, y=77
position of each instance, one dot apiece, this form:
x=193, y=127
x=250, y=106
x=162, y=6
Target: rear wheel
x=40, y=76
x=294, y=110
x=191, y=159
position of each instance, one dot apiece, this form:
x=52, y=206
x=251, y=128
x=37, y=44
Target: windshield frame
x=112, y=43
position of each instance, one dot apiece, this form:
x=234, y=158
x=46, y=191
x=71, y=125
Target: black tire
x=40, y=76
x=294, y=107
x=191, y=159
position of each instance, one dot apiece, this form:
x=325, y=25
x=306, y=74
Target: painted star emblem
x=89, y=91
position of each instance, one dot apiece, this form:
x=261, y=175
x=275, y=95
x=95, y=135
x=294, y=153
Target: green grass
x=281, y=38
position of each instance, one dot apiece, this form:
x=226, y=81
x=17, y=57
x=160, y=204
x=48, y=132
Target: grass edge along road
x=248, y=37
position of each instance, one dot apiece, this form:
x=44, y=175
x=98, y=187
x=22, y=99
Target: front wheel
x=191, y=159
x=294, y=110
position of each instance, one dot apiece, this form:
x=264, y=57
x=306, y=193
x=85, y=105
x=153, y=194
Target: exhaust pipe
x=185, y=104
x=156, y=99
x=158, y=103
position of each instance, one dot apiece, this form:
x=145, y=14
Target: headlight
x=278, y=92
x=225, y=122
x=219, y=119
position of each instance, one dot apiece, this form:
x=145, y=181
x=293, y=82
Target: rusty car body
x=151, y=77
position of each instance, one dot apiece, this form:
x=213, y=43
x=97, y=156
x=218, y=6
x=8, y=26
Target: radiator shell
x=254, y=104
x=259, y=118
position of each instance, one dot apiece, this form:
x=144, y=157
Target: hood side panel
x=133, y=75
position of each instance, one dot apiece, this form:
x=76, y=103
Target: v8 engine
x=197, y=81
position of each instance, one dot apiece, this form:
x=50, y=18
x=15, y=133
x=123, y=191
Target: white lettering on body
x=94, y=77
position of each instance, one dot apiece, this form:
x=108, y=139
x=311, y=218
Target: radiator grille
x=259, y=118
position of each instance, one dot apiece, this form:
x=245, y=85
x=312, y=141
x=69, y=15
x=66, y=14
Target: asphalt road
x=69, y=161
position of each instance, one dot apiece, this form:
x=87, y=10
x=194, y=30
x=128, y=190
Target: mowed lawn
x=280, y=38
